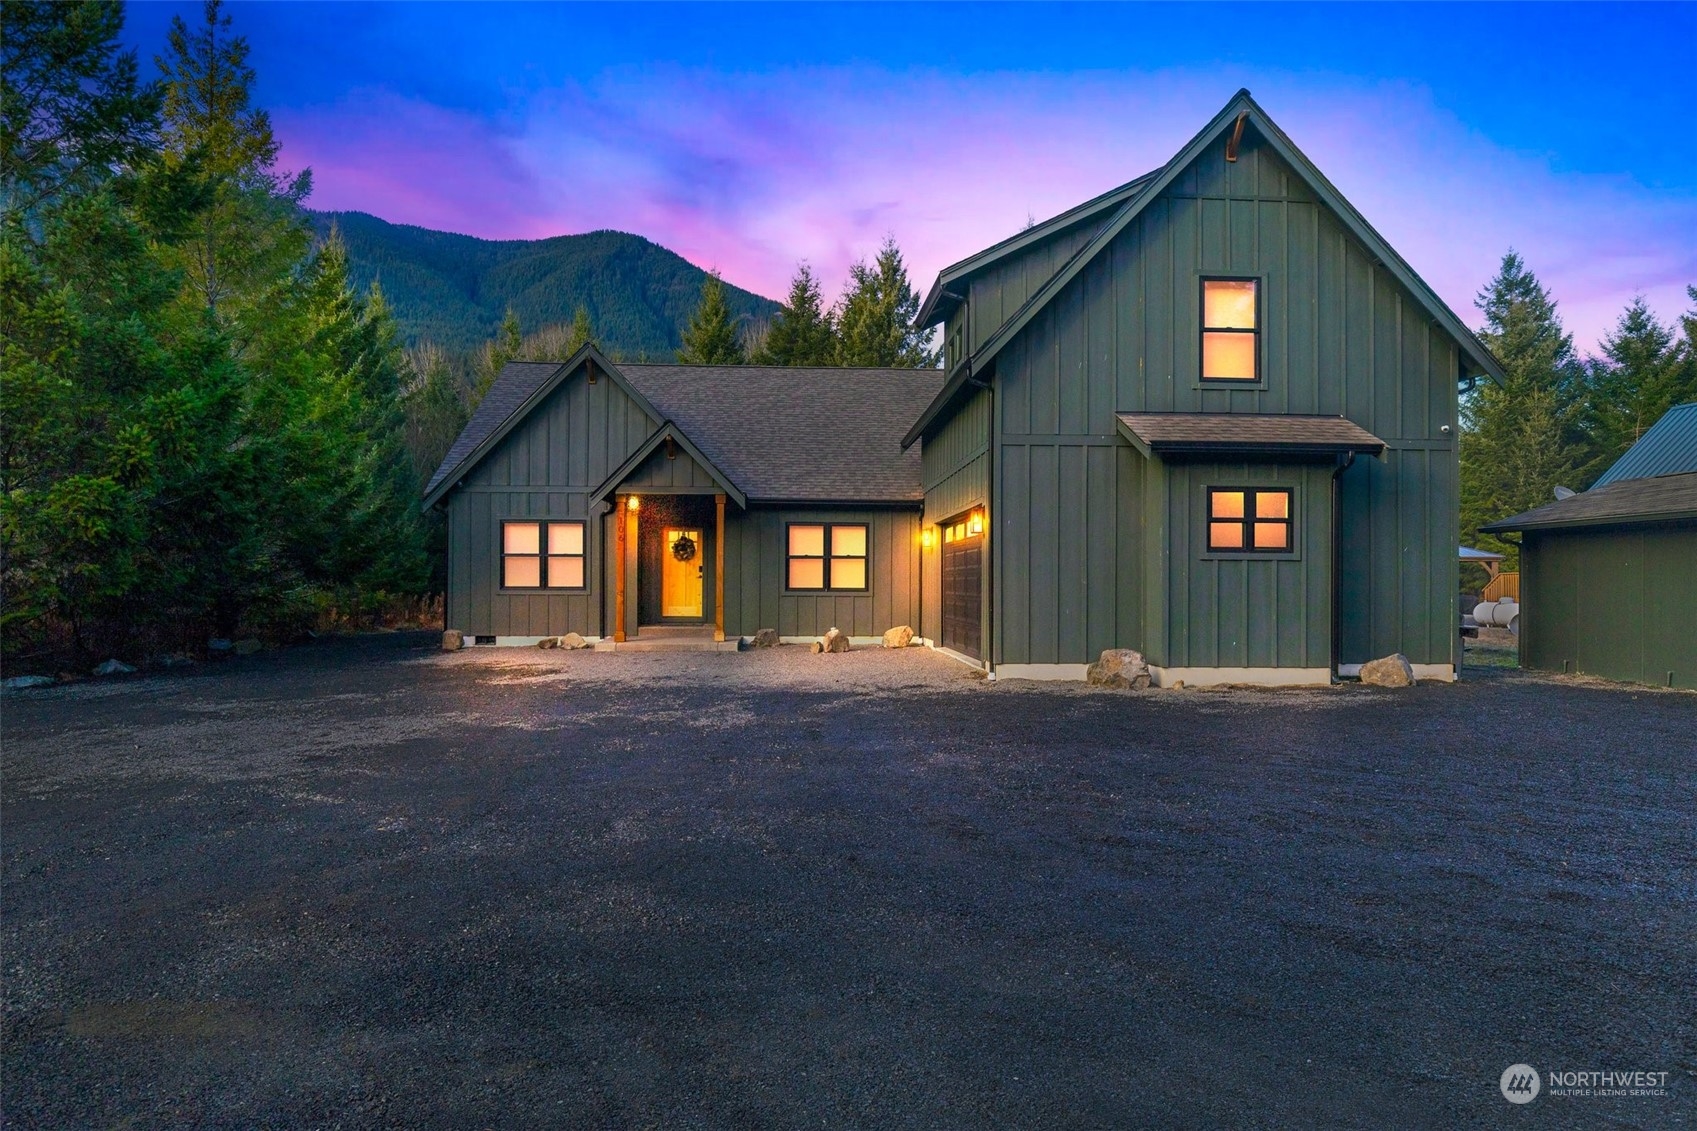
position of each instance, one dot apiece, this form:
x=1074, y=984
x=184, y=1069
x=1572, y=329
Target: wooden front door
x=963, y=592
x=682, y=567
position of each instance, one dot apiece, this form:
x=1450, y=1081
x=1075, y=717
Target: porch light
x=633, y=502
x=975, y=525
x=927, y=538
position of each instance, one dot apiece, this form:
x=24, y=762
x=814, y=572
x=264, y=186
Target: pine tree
x=507, y=345
x=711, y=336
x=1644, y=371
x=802, y=333
x=1524, y=438
x=875, y=319
x=253, y=234
x=72, y=108
x=582, y=333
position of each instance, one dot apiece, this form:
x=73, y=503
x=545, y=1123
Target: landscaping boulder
x=1391, y=671
x=1119, y=667
x=548, y=642
x=898, y=637
x=247, y=647
x=113, y=667
x=833, y=641
x=25, y=682
x=766, y=638
x=453, y=640
x=572, y=642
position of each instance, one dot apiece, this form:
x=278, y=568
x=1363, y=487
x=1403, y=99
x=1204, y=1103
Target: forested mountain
x=453, y=290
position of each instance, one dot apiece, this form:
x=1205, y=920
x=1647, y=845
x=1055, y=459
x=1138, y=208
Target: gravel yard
x=365, y=883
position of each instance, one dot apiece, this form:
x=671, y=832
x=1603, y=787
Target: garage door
x=963, y=592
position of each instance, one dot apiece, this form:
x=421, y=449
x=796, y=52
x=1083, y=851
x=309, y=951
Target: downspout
x=989, y=489
x=1345, y=461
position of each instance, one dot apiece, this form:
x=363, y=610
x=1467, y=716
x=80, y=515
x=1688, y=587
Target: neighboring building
x=1149, y=434
x=1162, y=396
x=736, y=497
x=1608, y=577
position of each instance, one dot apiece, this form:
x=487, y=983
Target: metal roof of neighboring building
x=1656, y=499
x=779, y=433
x=1201, y=432
x=1668, y=448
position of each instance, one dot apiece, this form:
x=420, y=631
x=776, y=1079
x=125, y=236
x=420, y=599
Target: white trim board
x=1437, y=673
x=1259, y=677
x=1043, y=671
x=528, y=641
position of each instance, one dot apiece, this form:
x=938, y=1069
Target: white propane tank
x=1507, y=609
x=1514, y=624
x=1482, y=612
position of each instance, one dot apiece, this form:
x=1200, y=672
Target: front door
x=681, y=573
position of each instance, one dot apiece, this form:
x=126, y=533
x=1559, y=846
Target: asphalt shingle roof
x=778, y=433
x=801, y=434
x=1668, y=448
x=1219, y=431
x=1625, y=500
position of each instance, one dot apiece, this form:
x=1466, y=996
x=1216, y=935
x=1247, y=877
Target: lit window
x=1249, y=520
x=1230, y=342
x=523, y=560
x=811, y=567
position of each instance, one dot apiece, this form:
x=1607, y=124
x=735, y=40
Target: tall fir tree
x=1525, y=437
x=711, y=337
x=1644, y=371
x=875, y=318
x=507, y=345
x=803, y=332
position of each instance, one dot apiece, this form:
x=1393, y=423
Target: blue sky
x=750, y=137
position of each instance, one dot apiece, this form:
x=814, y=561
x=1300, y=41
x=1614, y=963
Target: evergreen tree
x=253, y=234
x=505, y=346
x=711, y=336
x=1524, y=438
x=582, y=333
x=1644, y=371
x=802, y=333
x=875, y=321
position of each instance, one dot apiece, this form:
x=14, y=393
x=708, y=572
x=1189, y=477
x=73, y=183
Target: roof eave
x=1515, y=524
x=958, y=379
x=648, y=447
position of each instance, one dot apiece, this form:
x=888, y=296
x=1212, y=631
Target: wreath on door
x=684, y=548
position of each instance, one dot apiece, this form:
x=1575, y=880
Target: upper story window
x=542, y=555
x=827, y=556
x=1231, y=347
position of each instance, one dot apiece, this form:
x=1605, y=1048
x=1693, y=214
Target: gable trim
x=569, y=367
x=648, y=448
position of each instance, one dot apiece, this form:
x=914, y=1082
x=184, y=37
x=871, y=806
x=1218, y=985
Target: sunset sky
x=748, y=138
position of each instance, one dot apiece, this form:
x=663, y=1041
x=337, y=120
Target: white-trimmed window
x=542, y=555
x=826, y=556
x=1231, y=339
x=1250, y=520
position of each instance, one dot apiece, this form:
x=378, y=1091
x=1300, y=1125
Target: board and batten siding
x=545, y=468
x=756, y=560
x=1618, y=603
x=660, y=473
x=1338, y=336
x=955, y=471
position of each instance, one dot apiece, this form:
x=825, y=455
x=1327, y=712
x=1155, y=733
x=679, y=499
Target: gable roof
x=647, y=448
x=794, y=434
x=1148, y=189
x=1668, y=448
x=518, y=388
x=1196, y=433
x=1655, y=499
x=766, y=433
x=939, y=305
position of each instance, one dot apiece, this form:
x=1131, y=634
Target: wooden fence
x=1502, y=585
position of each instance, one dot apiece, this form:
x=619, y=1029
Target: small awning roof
x=1204, y=433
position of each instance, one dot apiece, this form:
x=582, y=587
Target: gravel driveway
x=368, y=884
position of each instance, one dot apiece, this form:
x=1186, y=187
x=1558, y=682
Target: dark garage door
x=963, y=575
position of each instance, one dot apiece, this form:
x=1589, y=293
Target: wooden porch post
x=719, y=568
x=620, y=508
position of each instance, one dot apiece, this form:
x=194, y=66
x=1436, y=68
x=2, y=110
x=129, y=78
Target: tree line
x=1559, y=419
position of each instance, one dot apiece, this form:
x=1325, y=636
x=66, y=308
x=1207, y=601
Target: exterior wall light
x=976, y=523
x=633, y=503
x=927, y=538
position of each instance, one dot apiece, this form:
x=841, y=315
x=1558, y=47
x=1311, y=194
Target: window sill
x=1229, y=556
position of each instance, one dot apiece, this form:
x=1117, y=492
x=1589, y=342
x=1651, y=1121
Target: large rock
x=25, y=682
x=766, y=638
x=548, y=642
x=113, y=667
x=1391, y=671
x=898, y=637
x=453, y=640
x=1119, y=667
x=833, y=641
x=572, y=642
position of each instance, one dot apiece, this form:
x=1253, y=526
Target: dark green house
x=625, y=502
x=1608, y=577
x=1209, y=415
